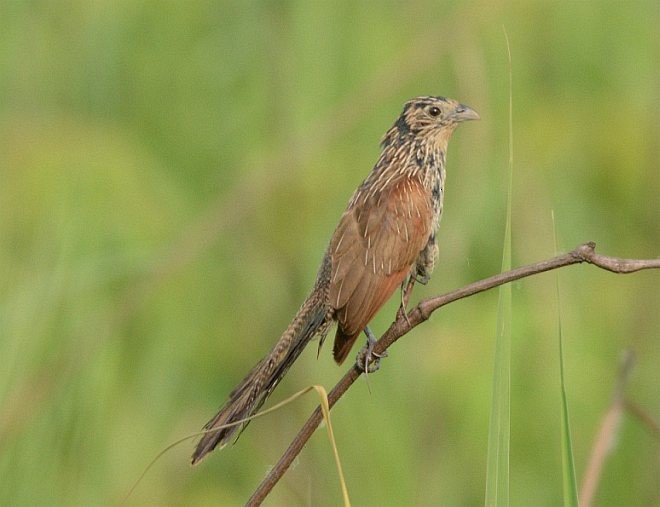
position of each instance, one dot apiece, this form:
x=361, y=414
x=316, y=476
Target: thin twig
x=404, y=323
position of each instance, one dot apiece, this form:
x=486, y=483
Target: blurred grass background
x=171, y=171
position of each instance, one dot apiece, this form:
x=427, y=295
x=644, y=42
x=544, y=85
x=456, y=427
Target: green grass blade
x=568, y=465
x=497, y=473
x=569, y=484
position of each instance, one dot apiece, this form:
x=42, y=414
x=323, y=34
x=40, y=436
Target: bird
x=385, y=237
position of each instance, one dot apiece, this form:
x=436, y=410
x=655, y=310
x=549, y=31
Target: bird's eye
x=434, y=111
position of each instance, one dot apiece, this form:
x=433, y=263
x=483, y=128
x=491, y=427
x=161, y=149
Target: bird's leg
x=367, y=360
x=406, y=290
x=420, y=272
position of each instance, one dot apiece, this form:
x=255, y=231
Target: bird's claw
x=402, y=312
x=368, y=361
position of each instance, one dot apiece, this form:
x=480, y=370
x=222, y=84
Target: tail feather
x=343, y=344
x=259, y=383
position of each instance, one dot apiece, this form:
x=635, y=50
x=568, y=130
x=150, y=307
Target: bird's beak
x=464, y=113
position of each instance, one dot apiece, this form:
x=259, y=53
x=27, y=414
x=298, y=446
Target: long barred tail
x=259, y=383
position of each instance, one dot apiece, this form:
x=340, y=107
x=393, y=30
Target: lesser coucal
x=386, y=235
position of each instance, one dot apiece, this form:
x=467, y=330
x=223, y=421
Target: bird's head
x=433, y=118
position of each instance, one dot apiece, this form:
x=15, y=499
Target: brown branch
x=404, y=323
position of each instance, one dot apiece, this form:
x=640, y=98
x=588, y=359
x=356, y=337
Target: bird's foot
x=367, y=360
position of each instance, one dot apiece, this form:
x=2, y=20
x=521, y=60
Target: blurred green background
x=171, y=172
